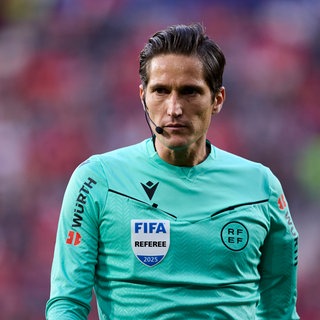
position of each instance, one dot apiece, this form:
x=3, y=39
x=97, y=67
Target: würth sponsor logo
x=290, y=224
x=81, y=201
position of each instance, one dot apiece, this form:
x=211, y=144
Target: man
x=173, y=227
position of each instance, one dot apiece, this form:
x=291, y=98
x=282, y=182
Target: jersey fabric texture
x=157, y=241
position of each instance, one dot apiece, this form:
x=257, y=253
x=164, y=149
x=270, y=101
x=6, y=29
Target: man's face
x=179, y=100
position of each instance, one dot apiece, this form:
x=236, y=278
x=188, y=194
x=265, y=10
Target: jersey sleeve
x=278, y=268
x=76, y=248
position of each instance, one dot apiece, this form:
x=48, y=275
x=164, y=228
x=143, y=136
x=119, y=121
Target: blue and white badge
x=150, y=240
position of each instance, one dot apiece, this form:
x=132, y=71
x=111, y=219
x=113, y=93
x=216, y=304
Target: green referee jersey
x=157, y=241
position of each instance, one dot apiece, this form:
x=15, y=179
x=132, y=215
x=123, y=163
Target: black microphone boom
x=159, y=130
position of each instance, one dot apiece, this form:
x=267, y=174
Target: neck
x=182, y=157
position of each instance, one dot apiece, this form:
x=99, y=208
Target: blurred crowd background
x=69, y=89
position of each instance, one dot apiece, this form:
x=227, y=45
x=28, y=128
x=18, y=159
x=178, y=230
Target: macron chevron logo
x=150, y=188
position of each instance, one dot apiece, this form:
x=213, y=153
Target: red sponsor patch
x=74, y=238
x=282, y=203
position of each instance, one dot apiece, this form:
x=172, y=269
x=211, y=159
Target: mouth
x=175, y=126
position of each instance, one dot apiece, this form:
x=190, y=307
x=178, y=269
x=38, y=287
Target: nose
x=174, y=107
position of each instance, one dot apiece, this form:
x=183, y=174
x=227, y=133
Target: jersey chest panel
x=212, y=251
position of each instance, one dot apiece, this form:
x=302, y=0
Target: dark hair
x=186, y=40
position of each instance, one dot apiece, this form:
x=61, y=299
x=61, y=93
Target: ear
x=219, y=100
x=142, y=96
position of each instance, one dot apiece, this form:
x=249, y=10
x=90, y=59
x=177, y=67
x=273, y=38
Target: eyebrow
x=157, y=85
x=183, y=87
x=191, y=86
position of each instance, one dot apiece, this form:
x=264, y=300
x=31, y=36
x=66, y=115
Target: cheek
x=205, y=118
x=157, y=115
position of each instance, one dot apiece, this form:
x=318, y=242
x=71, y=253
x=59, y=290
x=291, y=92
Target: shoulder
x=127, y=152
x=99, y=165
x=251, y=172
x=229, y=159
x=123, y=153
x=122, y=158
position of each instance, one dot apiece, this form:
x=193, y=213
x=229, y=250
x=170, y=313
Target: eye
x=161, y=90
x=189, y=90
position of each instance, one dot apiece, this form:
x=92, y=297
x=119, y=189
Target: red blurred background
x=69, y=88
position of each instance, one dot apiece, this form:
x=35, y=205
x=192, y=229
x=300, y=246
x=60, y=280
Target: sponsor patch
x=74, y=238
x=282, y=203
x=150, y=240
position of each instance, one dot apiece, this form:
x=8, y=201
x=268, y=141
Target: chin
x=177, y=144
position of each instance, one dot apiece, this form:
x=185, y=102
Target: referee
x=174, y=227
